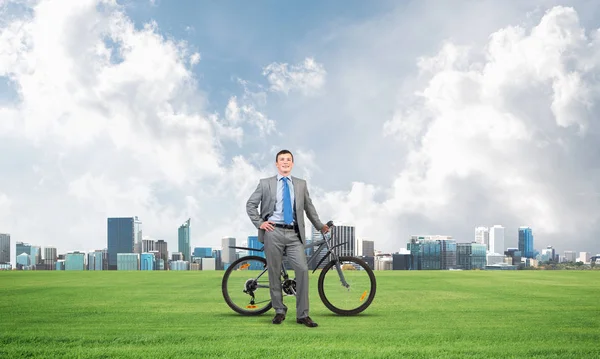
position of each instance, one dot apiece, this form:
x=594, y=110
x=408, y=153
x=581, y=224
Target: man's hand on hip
x=267, y=226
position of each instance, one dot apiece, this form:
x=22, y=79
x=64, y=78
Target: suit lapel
x=297, y=192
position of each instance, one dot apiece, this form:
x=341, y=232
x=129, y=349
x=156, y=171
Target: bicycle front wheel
x=351, y=299
x=245, y=286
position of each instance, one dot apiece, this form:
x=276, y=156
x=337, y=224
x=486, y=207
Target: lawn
x=416, y=314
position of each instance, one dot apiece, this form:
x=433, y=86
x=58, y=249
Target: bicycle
x=245, y=284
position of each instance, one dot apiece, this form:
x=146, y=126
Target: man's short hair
x=283, y=152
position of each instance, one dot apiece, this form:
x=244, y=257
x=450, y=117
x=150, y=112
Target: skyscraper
x=482, y=236
x=50, y=257
x=526, y=242
x=184, y=240
x=121, y=238
x=137, y=230
x=228, y=254
x=368, y=248
x=4, y=248
x=161, y=246
x=497, y=239
x=36, y=255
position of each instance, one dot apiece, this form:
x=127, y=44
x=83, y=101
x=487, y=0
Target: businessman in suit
x=283, y=200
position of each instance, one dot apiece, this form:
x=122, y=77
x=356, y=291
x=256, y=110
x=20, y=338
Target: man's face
x=284, y=164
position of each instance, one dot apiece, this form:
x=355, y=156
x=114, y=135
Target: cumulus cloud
x=502, y=133
x=307, y=77
x=111, y=119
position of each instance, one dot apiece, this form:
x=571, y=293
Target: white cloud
x=307, y=77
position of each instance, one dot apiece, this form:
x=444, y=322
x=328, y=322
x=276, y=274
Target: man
x=283, y=200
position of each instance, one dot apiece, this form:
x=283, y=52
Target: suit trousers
x=275, y=242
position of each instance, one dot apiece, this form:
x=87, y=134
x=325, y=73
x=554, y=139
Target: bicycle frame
x=323, y=243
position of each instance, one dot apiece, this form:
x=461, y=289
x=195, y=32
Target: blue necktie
x=287, y=203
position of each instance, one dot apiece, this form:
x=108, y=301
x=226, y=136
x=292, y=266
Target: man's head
x=284, y=161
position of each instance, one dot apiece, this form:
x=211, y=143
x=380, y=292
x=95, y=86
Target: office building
x=548, y=254
x=60, y=264
x=128, y=261
x=36, y=255
x=494, y=258
x=21, y=247
x=368, y=248
x=584, y=257
x=209, y=263
x=217, y=255
x=98, y=260
x=183, y=236
x=228, y=254
x=482, y=236
x=147, y=261
x=148, y=245
x=401, y=261
x=512, y=256
x=161, y=246
x=137, y=230
x=121, y=235
x=176, y=256
x=471, y=255
x=571, y=256
x=4, y=248
x=50, y=258
x=75, y=261
x=23, y=261
x=496, y=239
x=526, y=242
x=202, y=252
x=432, y=252
x=384, y=262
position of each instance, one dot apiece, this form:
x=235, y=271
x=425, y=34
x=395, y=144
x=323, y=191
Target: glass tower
x=184, y=240
x=526, y=242
x=5, y=248
x=121, y=238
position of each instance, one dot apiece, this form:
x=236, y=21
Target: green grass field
x=416, y=314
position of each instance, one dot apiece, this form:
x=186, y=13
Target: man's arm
x=311, y=212
x=252, y=206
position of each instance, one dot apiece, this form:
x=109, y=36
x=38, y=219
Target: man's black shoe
x=307, y=321
x=278, y=318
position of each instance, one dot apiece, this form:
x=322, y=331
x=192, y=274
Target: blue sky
x=412, y=117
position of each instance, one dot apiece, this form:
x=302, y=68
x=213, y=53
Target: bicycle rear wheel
x=245, y=286
x=357, y=296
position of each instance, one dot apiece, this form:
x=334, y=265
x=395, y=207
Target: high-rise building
x=36, y=255
x=254, y=243
x=471, y=255
x=4, y=248
x=75, y=261
x=584, y=257
x=147, y=261
x=368, y=248
x=22, y=248
x=183, y=236
x=497, y=239
x=128, y=261
x=161, y=246
x=218, y=256
x=50, y=257
x=548, y=254
x=228, y=254
x=121, y=235
x=137, y=230
x=482, y=236
x=571, y=256
x=526, y=242
x=148, y=245
x=513, y=256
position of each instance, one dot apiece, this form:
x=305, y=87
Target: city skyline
x=403, y=117
x=127, y=232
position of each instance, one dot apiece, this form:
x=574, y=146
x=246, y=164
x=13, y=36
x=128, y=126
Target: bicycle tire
x=226, y=294
x=372, y=291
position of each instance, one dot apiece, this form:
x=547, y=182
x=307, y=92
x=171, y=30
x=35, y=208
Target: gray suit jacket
x=266, y=195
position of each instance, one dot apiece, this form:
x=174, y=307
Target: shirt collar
x=279, y=177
